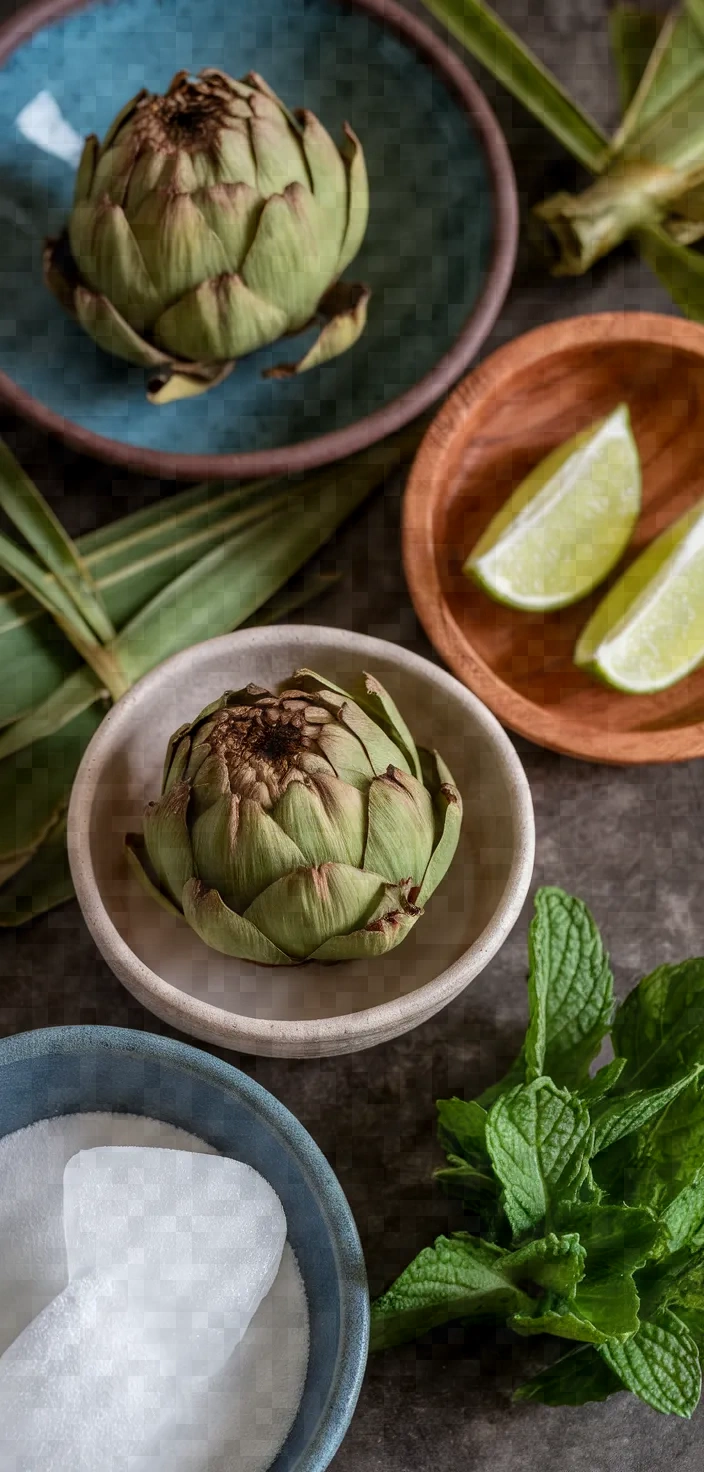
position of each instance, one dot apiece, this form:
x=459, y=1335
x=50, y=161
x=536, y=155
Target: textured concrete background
x=629, y=842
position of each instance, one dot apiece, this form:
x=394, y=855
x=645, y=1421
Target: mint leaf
x=663, y=1158
x=460, y=1277
x=603, y=1303
x=570, y=988
x=477, y=1188
x=603, y=1081
x=677, y=1279
x=693, y=1320
x=539, y=1138
x=660, y=1364
x=613, y=1237
x=462, y=1129
x=627, y=1113
x=577, y=1378
x=570, y=991
x=609, y=1302
x=552, y=1262
x=598, y=1313
x=683, y=1219
x=659, y=1028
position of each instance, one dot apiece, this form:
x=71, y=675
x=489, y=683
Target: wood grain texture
x=525, y=400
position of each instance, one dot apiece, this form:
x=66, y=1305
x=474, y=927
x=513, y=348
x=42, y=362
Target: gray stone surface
x=629, y=842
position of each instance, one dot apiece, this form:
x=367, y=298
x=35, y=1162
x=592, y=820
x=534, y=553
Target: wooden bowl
x=502, y=420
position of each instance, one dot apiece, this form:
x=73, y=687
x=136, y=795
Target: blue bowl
x=68, y=1070
x=438, y=253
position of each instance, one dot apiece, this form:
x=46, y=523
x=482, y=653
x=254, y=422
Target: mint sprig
x=589, y=1191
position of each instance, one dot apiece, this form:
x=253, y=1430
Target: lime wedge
x=648, y=632
x=568, y=522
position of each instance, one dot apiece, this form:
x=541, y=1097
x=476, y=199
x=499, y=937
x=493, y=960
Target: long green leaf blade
x=81, y=690
x=35, y=785
x=52, y=597
x=680, y=269
x=505, y=56
x=132, y=560
x=223, y=589
x=695, y=10
x=42, y=884
x=633, y=34
x=26, y=508
x=663, y=121
x=131, y=571
x=292, y=598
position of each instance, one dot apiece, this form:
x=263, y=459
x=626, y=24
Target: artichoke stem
x=584, y=227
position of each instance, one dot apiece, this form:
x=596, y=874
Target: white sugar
x=138, y=1353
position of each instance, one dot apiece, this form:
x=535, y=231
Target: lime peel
x=648, y=632
x=567, y=524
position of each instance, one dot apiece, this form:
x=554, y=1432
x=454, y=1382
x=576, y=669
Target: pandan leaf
x=35, y=785
x=41, y=884
x=291, y=598
x=224, y=588
x=680, y=269
x=695, y=10
x=675, y=65
x=81, y=690
x=39, y=755
x=131, y=561
x=505, y=56
x=633, y=34
x=50, y=594
x=34, y=519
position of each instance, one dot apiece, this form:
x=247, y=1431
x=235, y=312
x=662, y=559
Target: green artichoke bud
x=304, y=826
x=208, y=223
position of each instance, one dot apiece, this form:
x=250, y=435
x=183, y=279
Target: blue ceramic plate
x=438, y=253
x=67, y=1070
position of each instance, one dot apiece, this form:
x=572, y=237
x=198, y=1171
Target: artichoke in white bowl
x=303, y=826
x=210, y=222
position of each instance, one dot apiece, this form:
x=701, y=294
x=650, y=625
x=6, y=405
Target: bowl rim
x=319, y=1174
x=261, y=1034
x=336, y=444
x=575, y=738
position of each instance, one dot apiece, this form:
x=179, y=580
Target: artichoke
x=210, y=222
x=303, y=826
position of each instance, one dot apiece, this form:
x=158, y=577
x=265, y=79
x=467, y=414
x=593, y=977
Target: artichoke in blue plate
x=300, y=826
x=210, y=222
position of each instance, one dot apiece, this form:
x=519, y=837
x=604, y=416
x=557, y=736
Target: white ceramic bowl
x=308, y=1010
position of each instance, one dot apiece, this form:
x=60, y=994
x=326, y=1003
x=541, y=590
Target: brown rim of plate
x=289, y=459
x=428, y=484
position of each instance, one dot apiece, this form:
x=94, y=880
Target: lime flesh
x=648, y=632
x=567, y=524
